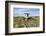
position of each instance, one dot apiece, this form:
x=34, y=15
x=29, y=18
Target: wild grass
x=19, y=22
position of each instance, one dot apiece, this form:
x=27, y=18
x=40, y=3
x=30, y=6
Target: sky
x=21, y=11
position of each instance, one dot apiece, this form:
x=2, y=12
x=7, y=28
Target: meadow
x=22, y=22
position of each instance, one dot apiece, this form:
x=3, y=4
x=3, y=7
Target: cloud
x=21, y=11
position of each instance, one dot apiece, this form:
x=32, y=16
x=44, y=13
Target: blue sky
x=21, y=11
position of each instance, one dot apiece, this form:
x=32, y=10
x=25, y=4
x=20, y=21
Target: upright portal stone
x=27, y=16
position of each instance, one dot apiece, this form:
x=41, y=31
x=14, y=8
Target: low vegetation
x=19, y=22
